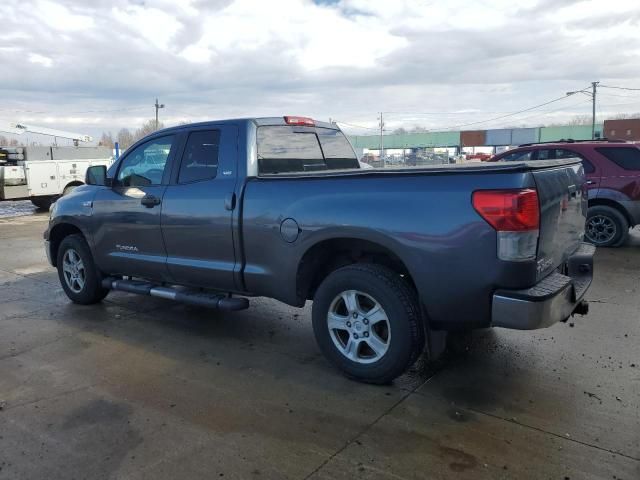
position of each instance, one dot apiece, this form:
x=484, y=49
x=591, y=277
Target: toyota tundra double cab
x=215, y=213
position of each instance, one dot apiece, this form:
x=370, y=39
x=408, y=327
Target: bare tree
x=623, y=116
x=580, y=120
x=125, y=138
x=414, y=129
x=147, y=127
x=106, y=140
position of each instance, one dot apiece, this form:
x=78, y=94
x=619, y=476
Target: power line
x=633, y=95
x=356, y=126
x=124, y=109
x=441, y=113
x=546, y=112
x=507, y=115
x=619, y=88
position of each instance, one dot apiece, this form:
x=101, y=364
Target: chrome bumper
x=551, y=300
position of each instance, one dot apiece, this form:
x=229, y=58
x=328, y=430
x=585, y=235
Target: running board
x=192, y=297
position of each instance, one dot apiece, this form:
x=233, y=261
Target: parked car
x=613, y=178
x=280, y=208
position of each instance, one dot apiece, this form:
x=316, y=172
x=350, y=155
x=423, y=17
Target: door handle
x=230, y=201
x=590, y=182
x=150, y=201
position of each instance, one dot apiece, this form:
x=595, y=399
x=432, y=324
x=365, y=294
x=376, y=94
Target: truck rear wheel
x=42, y=203
x=77, y=272
x=367, y=321
x=606, y=227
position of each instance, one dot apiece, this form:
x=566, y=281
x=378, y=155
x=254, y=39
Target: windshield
x=285, y=148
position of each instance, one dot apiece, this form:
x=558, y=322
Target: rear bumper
x=551, y=300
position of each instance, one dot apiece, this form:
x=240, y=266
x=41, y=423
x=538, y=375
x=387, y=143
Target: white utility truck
x=42, y=174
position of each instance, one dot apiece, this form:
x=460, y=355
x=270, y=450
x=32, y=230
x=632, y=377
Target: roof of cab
x=259, y=121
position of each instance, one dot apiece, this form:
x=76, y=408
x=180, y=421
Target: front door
x=126, y=217
x=198, y=207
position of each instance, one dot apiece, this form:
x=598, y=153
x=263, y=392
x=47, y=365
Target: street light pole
x=158, y=107
x=381, y=139
x=594, y=86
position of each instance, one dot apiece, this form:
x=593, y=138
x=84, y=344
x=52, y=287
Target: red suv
x=613, y=177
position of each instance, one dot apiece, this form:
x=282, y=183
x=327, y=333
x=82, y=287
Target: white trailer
x=42, y=174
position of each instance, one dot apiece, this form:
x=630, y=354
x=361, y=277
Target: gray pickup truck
x=214, y=213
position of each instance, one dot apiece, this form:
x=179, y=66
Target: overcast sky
x=90, y=66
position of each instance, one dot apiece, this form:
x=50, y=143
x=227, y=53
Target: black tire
x=91, y=290
x=42, y=203
x=606, y=227
x=406, y=335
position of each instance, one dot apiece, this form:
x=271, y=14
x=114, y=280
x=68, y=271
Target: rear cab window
x=627, y=158
x=287, y=149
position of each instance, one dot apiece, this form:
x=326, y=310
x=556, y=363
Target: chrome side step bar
x=192, y=297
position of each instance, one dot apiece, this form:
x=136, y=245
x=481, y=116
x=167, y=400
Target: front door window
x=145, y=165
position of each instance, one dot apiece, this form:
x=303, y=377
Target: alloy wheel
x=73, y=269
x=600, y=229
x=359, y=327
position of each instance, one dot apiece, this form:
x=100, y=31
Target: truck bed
x=489, y=167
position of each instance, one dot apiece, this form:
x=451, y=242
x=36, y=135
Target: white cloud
x=347, y=59
x=40, y=59
x=60, y=18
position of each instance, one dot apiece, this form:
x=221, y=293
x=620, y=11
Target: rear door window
x=627, y=158
x=564, y=153
x=522, y=155
x=200, y=157
x=544, y=154
x=283, y=149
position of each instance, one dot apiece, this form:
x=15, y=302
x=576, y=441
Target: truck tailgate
x=563, y=210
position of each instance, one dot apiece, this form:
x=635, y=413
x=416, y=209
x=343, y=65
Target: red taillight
x=508, y=210
x=306, y=121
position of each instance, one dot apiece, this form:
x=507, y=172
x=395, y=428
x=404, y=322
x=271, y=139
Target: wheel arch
x=75, y=183
x=327, y=255
x=58, y=233
x=606, y=202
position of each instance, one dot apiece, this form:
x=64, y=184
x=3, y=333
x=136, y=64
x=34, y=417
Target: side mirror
x=96, y=175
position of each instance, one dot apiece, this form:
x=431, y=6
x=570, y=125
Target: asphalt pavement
x=143, y=388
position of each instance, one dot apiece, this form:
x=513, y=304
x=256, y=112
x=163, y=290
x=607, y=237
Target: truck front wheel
x=368, y=322
x=78, y=274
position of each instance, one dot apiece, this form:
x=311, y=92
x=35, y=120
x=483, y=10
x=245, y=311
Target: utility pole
x=381, y=139
x=594, y=86
x=158, y=107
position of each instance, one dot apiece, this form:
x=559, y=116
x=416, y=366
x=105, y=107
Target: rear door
x=126, y=217
x=592, y=173
x=621, y=177
x=198, y=207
